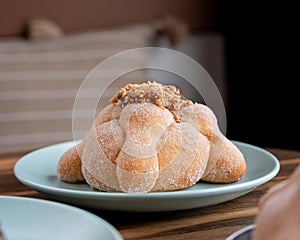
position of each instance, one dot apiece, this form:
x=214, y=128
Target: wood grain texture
x=207, y=223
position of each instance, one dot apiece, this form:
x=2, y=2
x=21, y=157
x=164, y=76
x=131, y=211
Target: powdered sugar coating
x=185, y=164
x=200, y=117
x=143, y=124
x=96, y=163
x=143, y=147
x=228, y=164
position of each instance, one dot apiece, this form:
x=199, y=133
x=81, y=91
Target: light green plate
x=34, y=219
x=38, y=171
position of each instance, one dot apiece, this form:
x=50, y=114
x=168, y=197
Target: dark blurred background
x=262, y=62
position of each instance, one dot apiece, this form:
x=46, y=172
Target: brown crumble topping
x=167, y=96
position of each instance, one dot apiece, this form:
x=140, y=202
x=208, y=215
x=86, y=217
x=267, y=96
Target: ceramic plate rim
x=113, y=231
x=178, y=194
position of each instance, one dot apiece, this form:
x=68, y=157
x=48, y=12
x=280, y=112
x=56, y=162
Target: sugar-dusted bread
x=151, y=139
x=225, y=162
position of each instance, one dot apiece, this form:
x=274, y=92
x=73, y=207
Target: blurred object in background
x=80, y=15
x=41, y=28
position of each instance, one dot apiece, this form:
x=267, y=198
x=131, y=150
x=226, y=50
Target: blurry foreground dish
x=278, y=214
x=27, y=218
x=242, y=234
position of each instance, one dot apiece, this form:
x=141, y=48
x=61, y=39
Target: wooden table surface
x=211, y=223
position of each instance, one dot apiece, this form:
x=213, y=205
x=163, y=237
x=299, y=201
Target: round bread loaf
x=150, y=138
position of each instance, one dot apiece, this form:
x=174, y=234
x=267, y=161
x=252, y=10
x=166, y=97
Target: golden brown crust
x=110, y=138
x=226, y=163
x=200, y=117
x=182, y=159
x=96, y=161
x=69, y=166
x=136, y=174
x=110, y=112
x=96, y=183
x=143, y=125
